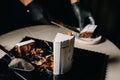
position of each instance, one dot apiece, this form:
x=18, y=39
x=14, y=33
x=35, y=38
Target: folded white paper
x=63, y=51
x=2, y=53
x=25, y=42
x=89, y=28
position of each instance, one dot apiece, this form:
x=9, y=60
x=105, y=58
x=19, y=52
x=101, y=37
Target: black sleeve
x=38, y=14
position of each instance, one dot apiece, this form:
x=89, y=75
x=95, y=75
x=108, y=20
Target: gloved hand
x=84, y=17
x=38, y=14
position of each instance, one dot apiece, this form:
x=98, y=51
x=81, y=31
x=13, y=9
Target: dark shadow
x=114, y=59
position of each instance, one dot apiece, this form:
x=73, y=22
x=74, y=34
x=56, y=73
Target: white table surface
x=48, y=32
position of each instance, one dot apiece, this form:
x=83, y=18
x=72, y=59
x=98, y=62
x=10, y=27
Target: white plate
x=88, y=28
x=88, y=40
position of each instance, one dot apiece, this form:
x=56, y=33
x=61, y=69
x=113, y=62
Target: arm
x=36, y=11
x=82, y=14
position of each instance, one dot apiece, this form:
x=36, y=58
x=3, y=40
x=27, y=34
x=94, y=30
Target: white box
x=63, y=47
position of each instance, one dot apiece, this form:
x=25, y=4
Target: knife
x=65, y=26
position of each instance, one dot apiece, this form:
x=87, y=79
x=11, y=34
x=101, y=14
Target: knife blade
x=65, y=26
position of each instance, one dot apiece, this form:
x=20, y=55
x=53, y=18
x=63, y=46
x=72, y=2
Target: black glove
x=38, y=13
x=84, y=17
